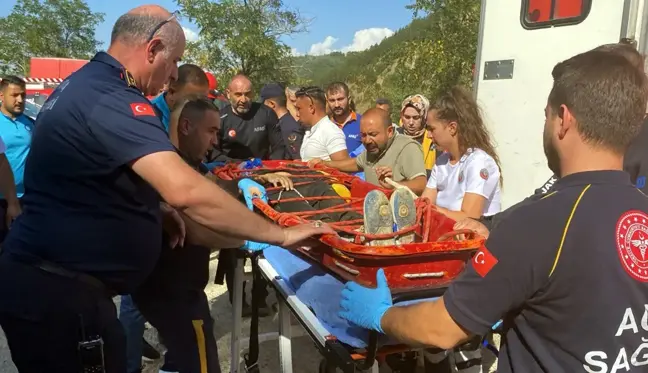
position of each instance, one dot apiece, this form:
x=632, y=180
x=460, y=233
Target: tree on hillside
x=243, y=36
x=46, y=28
x=456, y=28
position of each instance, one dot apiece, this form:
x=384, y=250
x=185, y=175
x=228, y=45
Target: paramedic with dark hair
x=99, y=166
x=559, y=297
x=191, y=81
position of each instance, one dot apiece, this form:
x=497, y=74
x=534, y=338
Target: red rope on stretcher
x=320, y=198
x=423, y=207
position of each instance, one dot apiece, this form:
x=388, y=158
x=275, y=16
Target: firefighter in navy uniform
x=92, y=222
x=249, y=129
x=566, y=273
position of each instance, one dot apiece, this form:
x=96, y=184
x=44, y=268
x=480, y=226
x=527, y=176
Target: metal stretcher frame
x=334, y=352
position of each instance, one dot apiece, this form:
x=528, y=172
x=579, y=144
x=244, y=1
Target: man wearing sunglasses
x=99, y=170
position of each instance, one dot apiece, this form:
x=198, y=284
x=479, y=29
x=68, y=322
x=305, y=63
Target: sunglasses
x=313, y=93
x=157, y=28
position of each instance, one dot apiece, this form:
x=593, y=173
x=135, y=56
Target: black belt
x=56, y=269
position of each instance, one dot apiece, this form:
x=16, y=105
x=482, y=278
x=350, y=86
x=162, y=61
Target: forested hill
x=427, y=56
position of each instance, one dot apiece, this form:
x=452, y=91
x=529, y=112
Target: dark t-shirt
x=567, y=273
x=292, y=134
x=253, y=135
x=635, y=161
x=85, y=209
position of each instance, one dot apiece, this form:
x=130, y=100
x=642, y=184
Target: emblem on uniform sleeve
x=632, y=243
x=232, y=133
x=461, y=176
x=484, y=261
x=140, y=109
x=292, y=137
x=484, y=174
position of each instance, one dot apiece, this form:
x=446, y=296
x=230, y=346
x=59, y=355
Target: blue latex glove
x=365, y=307
x=254, y=246
x=250, y=164
x=246, y=186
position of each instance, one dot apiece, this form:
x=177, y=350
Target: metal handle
x=352, y=271
x=414, y=276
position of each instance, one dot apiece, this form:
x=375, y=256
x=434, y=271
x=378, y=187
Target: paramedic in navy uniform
x=92, y=224
x=567, y=274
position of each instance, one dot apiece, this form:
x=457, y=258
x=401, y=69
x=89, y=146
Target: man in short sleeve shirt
x=323, y=139
x=387, y=155
x=566, y=272
x=99, y=166
x=249, y=129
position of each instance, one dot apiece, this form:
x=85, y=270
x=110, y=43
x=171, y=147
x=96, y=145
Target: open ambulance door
x=519, y=44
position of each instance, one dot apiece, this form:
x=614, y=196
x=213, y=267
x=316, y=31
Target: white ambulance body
x=519, y=44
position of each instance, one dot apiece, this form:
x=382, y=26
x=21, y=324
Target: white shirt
x=322, y=140
x=476, y=172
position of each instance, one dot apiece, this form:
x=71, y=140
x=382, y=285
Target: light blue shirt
x=17, y=135
x=160, y=103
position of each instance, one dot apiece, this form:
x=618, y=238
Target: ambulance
x=519, y=44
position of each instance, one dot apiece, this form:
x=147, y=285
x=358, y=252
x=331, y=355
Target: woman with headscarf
x=412, y=123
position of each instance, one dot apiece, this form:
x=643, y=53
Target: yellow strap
x=200, y=341
x=564, y=235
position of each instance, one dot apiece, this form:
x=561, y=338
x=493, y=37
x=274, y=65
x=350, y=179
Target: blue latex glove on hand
x=254, y=246
x=365, y=307
x=252, y=190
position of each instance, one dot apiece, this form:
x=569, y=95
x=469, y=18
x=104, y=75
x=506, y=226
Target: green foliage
x=243, y=36
x=46, y=28
x=428, y=56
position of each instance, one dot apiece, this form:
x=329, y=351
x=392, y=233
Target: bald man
x=249, y=129
x=387, y=154
x=99, y=168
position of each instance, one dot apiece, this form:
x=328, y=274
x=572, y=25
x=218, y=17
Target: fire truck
x=46, y=74
x=519, y=44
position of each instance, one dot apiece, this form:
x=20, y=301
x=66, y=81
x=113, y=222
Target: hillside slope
x=427, y=56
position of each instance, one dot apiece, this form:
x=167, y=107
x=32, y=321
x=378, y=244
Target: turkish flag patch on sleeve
x=483, y=261
x=140, y=109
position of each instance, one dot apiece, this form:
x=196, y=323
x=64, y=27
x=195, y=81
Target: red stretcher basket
x=438, y=255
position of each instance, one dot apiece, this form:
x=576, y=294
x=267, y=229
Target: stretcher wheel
x=451, y=234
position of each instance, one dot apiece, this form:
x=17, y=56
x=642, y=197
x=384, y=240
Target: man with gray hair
x=102, y=184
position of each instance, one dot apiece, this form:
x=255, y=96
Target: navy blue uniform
x=292, y=134
x=88, y=218
x=254, y=134
x=568, y=275
x=635, y=161
x=173, y=300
